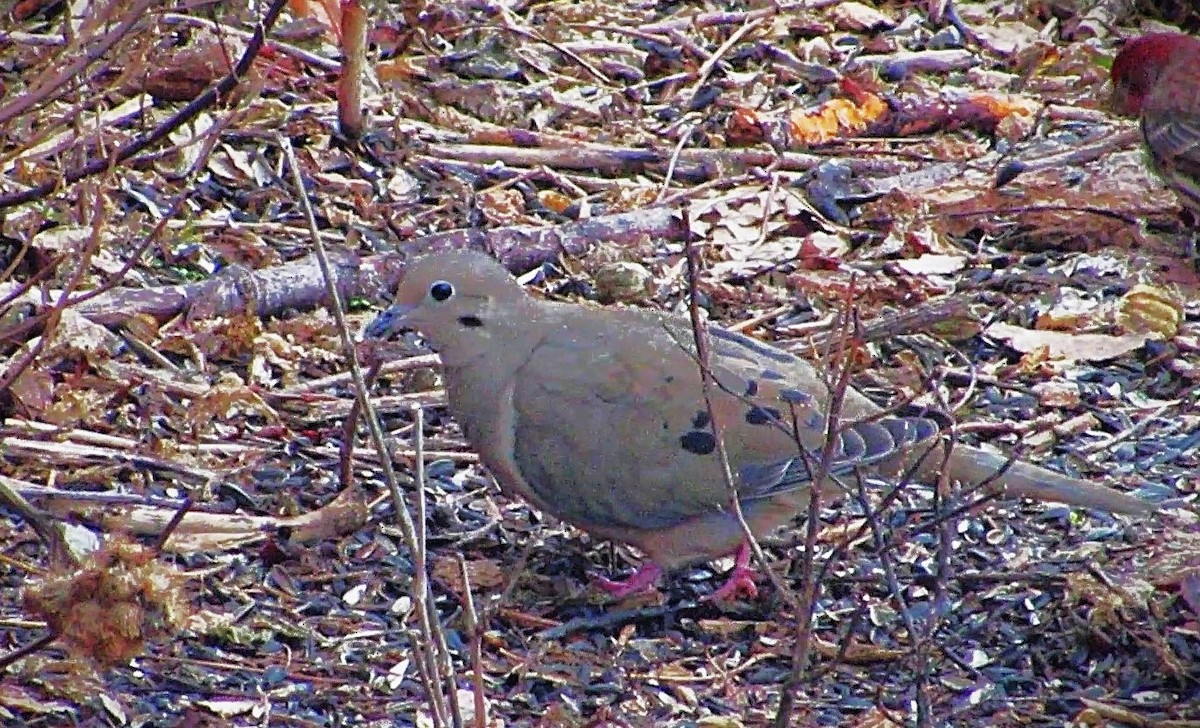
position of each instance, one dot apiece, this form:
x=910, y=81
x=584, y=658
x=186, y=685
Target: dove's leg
x=645, y=577
x=741, y=579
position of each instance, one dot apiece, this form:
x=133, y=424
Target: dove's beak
x=389, y=321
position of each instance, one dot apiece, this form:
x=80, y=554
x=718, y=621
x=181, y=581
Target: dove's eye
x=440, y=291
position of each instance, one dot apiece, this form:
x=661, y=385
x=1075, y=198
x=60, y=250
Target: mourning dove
x=597, y=417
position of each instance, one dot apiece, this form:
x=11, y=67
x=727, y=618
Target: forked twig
x=163, y=130
x=431, y=638
x=840, y=370
x=703, y=350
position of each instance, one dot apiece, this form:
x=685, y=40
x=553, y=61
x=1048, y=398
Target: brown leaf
x=1061, y=345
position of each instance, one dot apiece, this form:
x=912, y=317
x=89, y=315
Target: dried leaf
x=1071, y=347
x=1150, y=310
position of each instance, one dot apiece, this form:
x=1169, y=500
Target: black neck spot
x=471, y=322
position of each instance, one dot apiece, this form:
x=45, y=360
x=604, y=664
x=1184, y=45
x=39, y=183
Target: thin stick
x=808, y=598
x=476, y=632
x=421, y=597
x=700, y=334
x=28, y=649
x=160, y=132
x=173, y=524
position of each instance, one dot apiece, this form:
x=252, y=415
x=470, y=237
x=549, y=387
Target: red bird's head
x=1139, y=64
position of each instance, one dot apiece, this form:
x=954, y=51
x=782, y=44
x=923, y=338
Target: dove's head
x=463, y=302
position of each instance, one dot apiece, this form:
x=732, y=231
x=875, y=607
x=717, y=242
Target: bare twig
x=710, y=63
x=350, y=426
x=354, y=50
x=840, y=381
x=50, y=85
x=475, y=630
x=316, y=61
x=51, y=317
x=707, y=381
x=433, y=645
x=684, y=138
x=28, y=649
x=42, y=524
x=160, y=132
x=172, y=524
x=918, y=638
x=430, y=628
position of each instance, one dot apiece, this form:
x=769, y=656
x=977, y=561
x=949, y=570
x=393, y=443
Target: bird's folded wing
x=1174, y=141
x=611, y=427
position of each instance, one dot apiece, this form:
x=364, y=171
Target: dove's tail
x=971, y=466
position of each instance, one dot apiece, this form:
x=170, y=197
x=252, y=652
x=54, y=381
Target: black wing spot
x=700, y=420
x=772, y=374
x=699, y=443
x=762, y=415
x=751, y=387
x=795, y=396
x=471, y=322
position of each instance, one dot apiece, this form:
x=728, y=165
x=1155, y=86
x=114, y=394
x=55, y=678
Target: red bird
x=1157, y=78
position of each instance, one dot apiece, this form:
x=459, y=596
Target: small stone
x=624, y=282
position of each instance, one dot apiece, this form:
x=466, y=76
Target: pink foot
x=645, y=577
x=740, y=581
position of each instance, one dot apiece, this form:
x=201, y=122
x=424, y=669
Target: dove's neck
x=496, y=339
